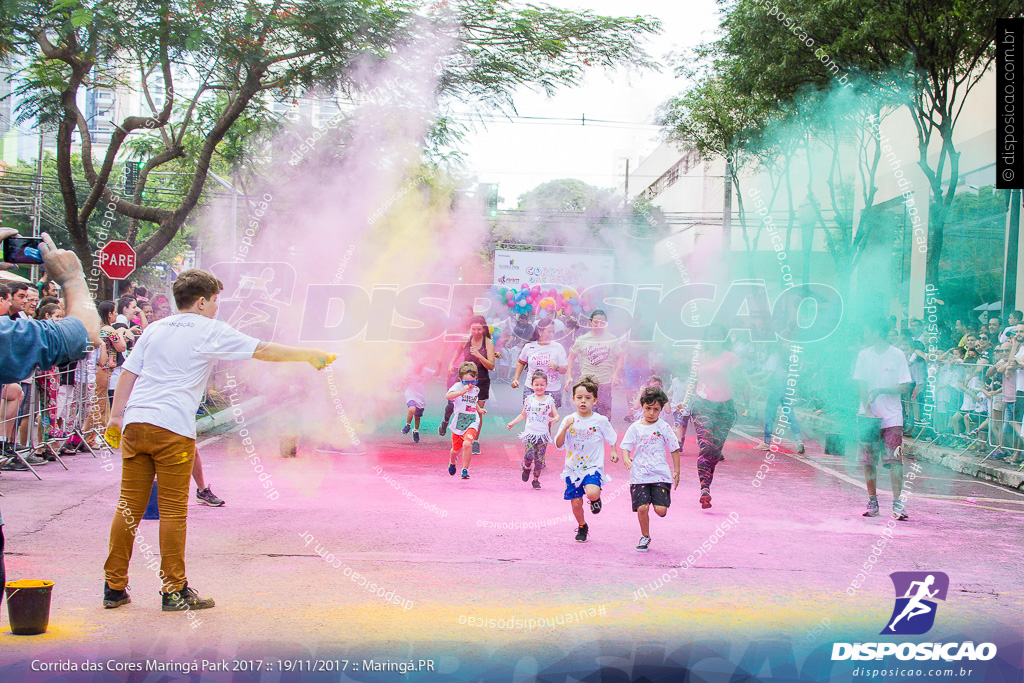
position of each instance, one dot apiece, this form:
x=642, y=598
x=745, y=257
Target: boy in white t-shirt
x=884, y=376
x=465, y=417
x=583, y=434
x=643, y=452
x=416, y=400
x=539, y=411
x=155, y=406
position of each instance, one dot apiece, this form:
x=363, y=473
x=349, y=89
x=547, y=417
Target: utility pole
x=627, y=182
x=1010, y=274
x=727, y=206
x=234, y=210
x=37, y=202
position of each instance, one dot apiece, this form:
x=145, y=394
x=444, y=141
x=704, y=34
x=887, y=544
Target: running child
x=636, y=408
x=416, y=400
x=679, y=405
x=463, y=394
x=539, y=411
x=581, y=435
x=643, y=453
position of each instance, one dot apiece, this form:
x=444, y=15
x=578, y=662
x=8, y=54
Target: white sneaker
x=762, y=447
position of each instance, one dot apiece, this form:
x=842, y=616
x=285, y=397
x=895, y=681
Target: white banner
x=515, y=269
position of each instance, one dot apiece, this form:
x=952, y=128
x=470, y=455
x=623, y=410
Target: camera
x=23, y=250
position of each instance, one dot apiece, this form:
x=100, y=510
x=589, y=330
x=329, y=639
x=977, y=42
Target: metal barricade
x=966, y=424
x=53, y=416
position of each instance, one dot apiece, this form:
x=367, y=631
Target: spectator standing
x=27, y=344
x=1012, y=320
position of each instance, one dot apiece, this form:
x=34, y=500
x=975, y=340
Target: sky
x=521, y=154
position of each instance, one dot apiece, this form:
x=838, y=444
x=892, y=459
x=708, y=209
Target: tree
x=715, y=119
x=563, y=195
x=236, y=55
x=940, y=49
x=924, y=55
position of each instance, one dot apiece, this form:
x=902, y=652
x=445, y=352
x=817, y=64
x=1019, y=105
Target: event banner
x=514, y=269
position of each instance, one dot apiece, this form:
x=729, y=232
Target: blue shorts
x=572, y=491
x=419, y=408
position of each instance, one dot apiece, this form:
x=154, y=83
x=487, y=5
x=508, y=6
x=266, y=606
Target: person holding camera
x=28, y=344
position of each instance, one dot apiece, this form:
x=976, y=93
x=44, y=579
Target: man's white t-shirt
x=647, y=444
x=538, y=356
x=465, y=416
x=883, y=370
x=584, y=446
x=173, y=359
x=1020, y=373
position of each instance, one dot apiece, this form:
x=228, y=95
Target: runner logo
x=914, y=614
x=916, y=592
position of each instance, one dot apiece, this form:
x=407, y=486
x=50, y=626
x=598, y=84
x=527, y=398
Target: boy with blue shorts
x=582, y=435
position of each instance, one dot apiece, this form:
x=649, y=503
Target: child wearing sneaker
x=416, y=399
x=539, y=411
x=466, y=416
x=643, y=454
x=582, y=434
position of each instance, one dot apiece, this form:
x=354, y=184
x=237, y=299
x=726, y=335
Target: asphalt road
x=380, y=554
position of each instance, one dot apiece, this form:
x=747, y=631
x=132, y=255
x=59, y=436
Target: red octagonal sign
x=117, y=259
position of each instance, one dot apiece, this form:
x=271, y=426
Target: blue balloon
x=573, y=301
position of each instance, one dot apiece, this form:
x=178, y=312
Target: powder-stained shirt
x=598, y=355
x=465, y=416
x=584, y=446
x=647, y=445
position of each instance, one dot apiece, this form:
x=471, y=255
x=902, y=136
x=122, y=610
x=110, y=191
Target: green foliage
x=236, y=56
x=567, y=194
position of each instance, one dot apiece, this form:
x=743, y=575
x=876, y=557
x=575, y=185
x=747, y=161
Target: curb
x=206, y=424
x=986, y=470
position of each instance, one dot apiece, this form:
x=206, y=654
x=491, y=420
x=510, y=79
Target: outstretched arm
x=279, y=353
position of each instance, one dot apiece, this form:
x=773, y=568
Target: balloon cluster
x=534, y=300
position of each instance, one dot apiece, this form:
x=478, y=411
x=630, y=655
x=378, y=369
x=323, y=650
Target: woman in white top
x=543, y=354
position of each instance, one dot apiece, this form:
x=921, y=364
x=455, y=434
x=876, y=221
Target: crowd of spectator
x=967, y=389
x=58, y=396
x=969, y=385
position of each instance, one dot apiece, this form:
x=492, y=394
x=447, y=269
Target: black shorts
x=484, y=385
x=647, y=494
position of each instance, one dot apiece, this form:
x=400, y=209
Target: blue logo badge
x=916, y=593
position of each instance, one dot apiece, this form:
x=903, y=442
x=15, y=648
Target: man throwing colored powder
x=155, y=404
